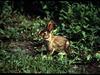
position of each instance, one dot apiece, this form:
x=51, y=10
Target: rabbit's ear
x=51, y=25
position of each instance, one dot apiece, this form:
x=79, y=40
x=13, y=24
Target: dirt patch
x=27, y=46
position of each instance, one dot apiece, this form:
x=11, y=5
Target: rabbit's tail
x=67, y=47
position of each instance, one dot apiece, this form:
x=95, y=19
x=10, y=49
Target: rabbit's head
x=45, y=33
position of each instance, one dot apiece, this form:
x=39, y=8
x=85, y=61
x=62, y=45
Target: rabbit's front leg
x=50, y=49
x=52, y=52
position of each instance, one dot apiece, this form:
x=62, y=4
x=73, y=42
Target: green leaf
x=89, y=57
x=97, y=55
x=84, y=34
x=1, y=31
x=45, y=7
x=78, y=28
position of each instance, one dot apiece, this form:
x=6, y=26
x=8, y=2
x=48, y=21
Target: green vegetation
x=79, y=22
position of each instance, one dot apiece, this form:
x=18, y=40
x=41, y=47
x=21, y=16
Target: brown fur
x=54, y=43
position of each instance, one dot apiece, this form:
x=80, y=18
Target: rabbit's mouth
x=46, y=37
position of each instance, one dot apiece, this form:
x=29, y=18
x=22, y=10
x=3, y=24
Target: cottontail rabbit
x=54, y=43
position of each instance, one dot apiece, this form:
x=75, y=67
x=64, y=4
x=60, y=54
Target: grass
x=21, y=61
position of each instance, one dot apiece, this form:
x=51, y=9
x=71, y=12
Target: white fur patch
x=67, y=42
x=62, y=53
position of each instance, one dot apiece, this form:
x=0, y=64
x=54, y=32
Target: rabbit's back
x=59, y=40
x=58, y=43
